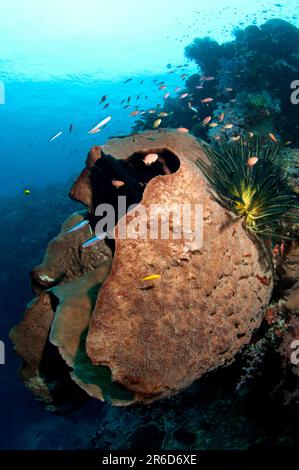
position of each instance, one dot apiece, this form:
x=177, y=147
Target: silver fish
x=55, y=136
x=78, y=226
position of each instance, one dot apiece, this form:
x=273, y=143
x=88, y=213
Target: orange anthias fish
x=206, y=120
x=184, y=95
x=275, y=250
x=150, y=158
x=252, y=161
x=117, y=184
x=228, y=126
x=273, y=138
x=207, y=100
x=134, y=113
x=162, y=87
x=184, y=130
x=221, y=117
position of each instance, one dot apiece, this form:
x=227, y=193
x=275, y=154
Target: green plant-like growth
x=260, y=194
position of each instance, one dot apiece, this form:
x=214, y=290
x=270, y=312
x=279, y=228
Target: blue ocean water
x=57, y=60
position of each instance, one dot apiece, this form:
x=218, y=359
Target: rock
x=65, y=260
x=59, y=315
x=81, y=190
x=30, y=338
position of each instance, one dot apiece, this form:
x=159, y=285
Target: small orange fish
x=252, y=161
x=184, y=130
x=134, y=113
x=206, y=120
x=273, y=138
x=162, y=87
x=221, y=117
x=207, y=100
x=150, y=158
x=184, y=95
x=275, y=250
x=117, y=184
x=213, y=124
x=235, y=138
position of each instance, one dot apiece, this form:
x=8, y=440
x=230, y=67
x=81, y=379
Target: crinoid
x=260, y=193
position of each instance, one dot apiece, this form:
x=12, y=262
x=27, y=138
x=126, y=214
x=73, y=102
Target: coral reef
x=121, y=339
x=249, y=80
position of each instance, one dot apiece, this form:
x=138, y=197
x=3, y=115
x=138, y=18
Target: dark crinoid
x=260, y=193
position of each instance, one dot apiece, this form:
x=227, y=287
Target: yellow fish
x=157, y=123
x=150, y=278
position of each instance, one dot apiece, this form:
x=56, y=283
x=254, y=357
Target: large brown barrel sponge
x=158, y=338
